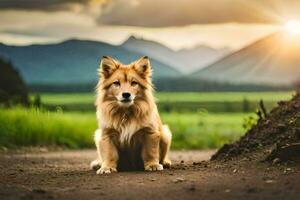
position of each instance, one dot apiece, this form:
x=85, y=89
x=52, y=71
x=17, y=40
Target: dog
x=131, y=135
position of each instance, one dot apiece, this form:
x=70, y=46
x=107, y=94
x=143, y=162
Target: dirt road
x=66, y=175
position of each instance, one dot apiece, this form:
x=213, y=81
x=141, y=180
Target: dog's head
x=125, y=85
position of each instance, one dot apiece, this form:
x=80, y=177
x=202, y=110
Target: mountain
x=71, y=62
x=273, y=60
x=185, y=60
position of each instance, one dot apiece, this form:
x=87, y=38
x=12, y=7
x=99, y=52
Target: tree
x=12, y=88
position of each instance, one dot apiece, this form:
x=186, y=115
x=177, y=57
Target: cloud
x=44, y=5
x=165, y=13
x=162, y=13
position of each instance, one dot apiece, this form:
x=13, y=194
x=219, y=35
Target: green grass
x=30, y=127
x=83, y=98
x=218, y=102
x=204, y=130
x=71, y=98
x=221, y=96
x=197, y=120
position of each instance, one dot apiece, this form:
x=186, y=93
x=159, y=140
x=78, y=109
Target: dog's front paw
x=106, y=170
x=95, y=165
x=167, y=163
x=154, y=167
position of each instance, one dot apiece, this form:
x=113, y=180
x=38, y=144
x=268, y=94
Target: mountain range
x=184, y=60
x=76, y=61
x=272, y=60
x=71, y=61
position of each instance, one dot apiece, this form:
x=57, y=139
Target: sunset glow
x=293, y=27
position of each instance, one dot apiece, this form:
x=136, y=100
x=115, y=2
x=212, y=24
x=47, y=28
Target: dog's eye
x=117, y=83
x=134, y=83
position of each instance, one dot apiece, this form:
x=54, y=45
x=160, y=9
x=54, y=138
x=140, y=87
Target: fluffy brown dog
x=130, y=135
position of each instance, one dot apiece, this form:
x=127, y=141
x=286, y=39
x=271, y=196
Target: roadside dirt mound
x=275, y=137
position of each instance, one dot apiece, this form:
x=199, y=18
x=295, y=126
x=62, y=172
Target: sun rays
x=292, y=27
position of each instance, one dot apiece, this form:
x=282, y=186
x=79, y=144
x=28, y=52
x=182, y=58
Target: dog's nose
x=126, y=95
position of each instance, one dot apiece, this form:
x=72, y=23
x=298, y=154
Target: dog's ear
x=107, y=66
x=143, y=67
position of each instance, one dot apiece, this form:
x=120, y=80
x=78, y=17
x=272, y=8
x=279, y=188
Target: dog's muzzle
x=126, y=97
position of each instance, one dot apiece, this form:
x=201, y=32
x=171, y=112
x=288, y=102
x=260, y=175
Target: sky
x=175, y=23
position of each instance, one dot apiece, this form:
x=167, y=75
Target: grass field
x=28, y=127
x=176, y=97
x=204, y=130
x=31, y=127
x=207, y=120
x=179, y=102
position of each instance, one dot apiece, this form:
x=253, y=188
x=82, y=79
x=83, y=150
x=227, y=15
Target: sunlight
x=293, y=27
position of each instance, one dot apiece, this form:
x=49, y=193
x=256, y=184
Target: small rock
x=235, y=171
x=182, y=161
x=276, y=161
x=281, y=126
x=269, y=181
x=196, y=163
x=178, y=180
x=287, y=170
x=43, y=149
x=227, y=190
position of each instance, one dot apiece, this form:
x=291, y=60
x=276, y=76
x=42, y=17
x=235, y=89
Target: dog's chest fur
x=127, y=131
x=127, y=127
x=124, y=126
